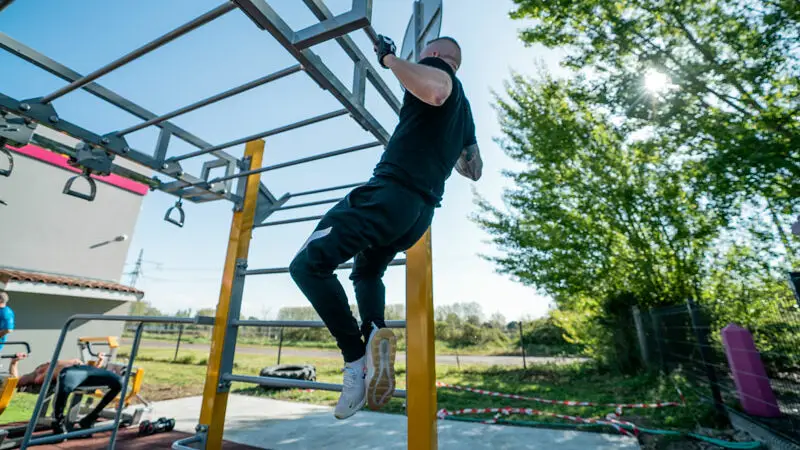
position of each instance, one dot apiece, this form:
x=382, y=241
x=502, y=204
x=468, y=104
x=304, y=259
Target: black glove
x=384, y=47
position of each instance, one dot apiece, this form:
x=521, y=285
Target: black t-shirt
x=429, y=139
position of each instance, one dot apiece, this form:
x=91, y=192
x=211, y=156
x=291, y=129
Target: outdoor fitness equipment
x=22, y=122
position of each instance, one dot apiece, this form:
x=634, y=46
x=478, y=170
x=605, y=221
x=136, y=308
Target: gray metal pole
x=262, y=135
x=287, y=221
x=214, y=98
x=37, y=409
x=286, y=382
x=522, y=346
x=637, y=320
x=301, y=323
x=147, y=48
x=280, y=347
x=134, y=350
x=305, y=205
x=701, y=334
x=178, y=344
x=282, y=165
x=320, y=191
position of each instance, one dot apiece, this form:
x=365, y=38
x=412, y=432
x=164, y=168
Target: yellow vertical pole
x=215, y=400
x=420, y=357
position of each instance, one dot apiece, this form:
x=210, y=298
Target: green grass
x=20, y=409
x=582, y=382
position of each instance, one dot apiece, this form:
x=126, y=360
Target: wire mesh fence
x=759, y=380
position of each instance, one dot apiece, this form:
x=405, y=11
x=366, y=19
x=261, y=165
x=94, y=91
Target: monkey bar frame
x=31, y=121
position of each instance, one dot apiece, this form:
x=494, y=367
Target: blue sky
x=183, y=266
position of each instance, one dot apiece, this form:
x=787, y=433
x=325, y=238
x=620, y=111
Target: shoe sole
x=380, y=374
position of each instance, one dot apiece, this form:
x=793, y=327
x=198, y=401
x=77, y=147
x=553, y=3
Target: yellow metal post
x=215, y=401
x=420, y=359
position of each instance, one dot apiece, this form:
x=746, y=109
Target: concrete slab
x=279, y=425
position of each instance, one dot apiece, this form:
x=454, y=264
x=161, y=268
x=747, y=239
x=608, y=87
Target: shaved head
x=445, y=48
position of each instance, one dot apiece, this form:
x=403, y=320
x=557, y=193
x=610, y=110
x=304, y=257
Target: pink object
x=59, y=160
x=752, y=383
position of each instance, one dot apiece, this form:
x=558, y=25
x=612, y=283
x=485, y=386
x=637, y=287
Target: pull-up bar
x=214, y=98
x=302, y=123
x=306, y=205
x=215, y=13
x=320, y=191
x=287, y=221
x=295, y=162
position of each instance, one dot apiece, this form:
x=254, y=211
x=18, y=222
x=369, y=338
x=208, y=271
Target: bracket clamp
x=91, y=160
x=15, y=130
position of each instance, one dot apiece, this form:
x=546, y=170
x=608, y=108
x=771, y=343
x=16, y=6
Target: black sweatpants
x=71, y=378
x=373, y=223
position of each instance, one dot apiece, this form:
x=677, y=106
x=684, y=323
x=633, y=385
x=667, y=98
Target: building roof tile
x=7, y=275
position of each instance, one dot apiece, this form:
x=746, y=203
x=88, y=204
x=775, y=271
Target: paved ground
x=278, y=425
x=322, y=353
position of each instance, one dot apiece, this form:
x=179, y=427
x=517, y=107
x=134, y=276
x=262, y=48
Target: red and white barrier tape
x=443, y=413
x=557, y=402
x=612, y=419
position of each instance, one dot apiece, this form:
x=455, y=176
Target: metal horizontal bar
x=215, y=98
x=141, y=51
x=203, y=320
x=302, y=323
x=277, y=270
x=305, y=205
x=266, y=18
x=285, y=382
x=72, y=434
x=320, y=191
x=30, y=55
x=287, y=221
x=329, y=29
x=321, y=11
x=343, y=151
x=295, y=162
x=272, y=132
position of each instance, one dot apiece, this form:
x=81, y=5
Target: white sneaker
x=381, y=349
x=353, y=391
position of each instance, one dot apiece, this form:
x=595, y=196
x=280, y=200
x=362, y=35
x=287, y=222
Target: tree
x=497, y=320
x=734, y=112
x=143, y=308
x=209, y=312
x=594, y=213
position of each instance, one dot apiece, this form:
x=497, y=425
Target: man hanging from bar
x=388, y=215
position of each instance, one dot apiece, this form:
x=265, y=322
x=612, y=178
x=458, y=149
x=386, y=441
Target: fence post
x=522, y=346
x=178, y=344
x=280, y=346
x=637, y=320
x=655, y=322
x=700, y=328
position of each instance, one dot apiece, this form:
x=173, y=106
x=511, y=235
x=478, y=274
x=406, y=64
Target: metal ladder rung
x=276, y=270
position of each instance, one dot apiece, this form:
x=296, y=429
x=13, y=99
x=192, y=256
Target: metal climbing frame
x=31, y=121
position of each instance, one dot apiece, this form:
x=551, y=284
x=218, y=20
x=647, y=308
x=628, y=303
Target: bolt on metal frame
x=20, y=122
